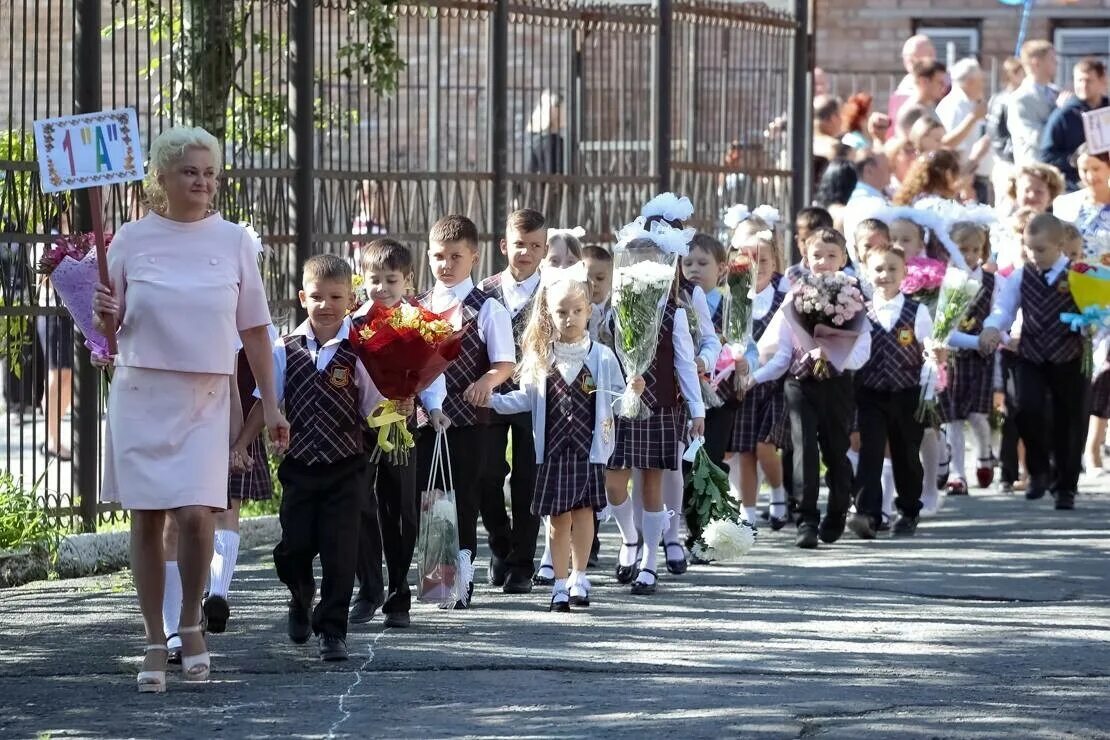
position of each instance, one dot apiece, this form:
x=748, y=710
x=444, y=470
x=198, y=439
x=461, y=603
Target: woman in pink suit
x=184, y=283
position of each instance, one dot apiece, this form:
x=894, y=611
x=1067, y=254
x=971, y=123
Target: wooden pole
x=97, y=208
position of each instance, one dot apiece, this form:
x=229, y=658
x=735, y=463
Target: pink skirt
x=166, y=439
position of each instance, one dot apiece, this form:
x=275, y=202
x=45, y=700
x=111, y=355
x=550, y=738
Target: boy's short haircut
x=329, y=267
x=594, y=252
x=525, y=220
x=894, y=249
x=870, y=226
x=711, y=245
x=455, y=229
x=827, y=235
x=813, y=218
x=386, y=254
x=1047, y=225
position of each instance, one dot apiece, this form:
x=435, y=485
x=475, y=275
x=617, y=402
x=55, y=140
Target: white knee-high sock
x=778, y=502
x=672, y=499
x=623, y=515
x=545, y=561
x=853, y=458
x=958, y=466
x=654, y=524
x=171, y=599
x=734, y=476
x=223, y=562
x=888, y=488
x=981, y=428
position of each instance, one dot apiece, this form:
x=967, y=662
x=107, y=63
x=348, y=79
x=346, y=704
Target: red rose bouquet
x=71, y=266
x=404, y=348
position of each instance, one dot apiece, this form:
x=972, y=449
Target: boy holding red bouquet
x=485, y=361
x=390, y=512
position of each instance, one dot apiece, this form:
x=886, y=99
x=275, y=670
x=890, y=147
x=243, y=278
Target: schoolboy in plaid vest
x=820, y=410
x=887, y=394
x=512, y=542
x=1049, y=358
x=328, y=394
x=485, y=362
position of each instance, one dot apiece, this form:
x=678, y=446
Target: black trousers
x=1008, y=448
x=468, y=456
x=888, y=416
x=320, y=515
x=1060, y=391
x=820, y=420
x=513, y=540
x=390, y=519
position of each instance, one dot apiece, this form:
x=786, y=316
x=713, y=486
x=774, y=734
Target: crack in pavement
x=358, y=680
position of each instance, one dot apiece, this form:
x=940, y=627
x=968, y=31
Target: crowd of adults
x=1021, y=150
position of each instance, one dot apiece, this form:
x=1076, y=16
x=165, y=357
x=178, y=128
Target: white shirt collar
x=894, y=304
x=529, y=283
x=459, y=291
x=305, y=330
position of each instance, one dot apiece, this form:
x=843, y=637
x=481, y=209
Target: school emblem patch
x=969, y=324
x=905, y=337
x=340, y=377
x=589, y=385
x=1062, y=286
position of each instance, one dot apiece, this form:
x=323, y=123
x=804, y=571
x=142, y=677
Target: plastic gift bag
x=437, y=544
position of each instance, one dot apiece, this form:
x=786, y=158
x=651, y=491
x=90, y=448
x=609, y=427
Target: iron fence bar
x=663, y=62
x=302, y=37
x=801, y=115
x=498, y=112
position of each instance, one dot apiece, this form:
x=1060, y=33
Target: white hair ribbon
x=767, y=236
x=668, y=206
x=736, y=215
x=767, y=213
x=577, y=232
x=575, y=273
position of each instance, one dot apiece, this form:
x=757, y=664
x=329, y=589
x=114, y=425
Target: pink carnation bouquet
x=71, y=267
x=923, y=280
x=826, y=311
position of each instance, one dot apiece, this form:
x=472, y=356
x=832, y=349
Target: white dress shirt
x=887, y=312
x=495, y=325
x=431, y=398
x=951, y=112
x=685, y=370
x=780, y=362
x=368, y=395
x=762, y=302
x=518, y=295
x=1009, y=298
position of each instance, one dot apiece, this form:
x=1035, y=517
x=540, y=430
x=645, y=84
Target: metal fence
x=582, y=110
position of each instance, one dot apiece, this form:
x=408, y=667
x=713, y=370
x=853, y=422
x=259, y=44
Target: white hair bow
x=765, y=235
x=669, y=206
x=663, y=235
x=736, y=215
x=575, y=273
x=577, y=232
x=767, y=213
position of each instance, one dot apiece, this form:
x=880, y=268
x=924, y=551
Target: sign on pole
x=88, y=150
x=1096, y=125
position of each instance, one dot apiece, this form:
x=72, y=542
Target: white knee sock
x=672, y=499
x=734, y=476
x=545, y=561
x=623, y=515
x=957, y=467
x=930, y=459
x=981, y=428
x=654, y=524
x=888, y=488
x=171, y=599
x=853, y=457
x=778, y=502
x=751, y=513
x=223, y=562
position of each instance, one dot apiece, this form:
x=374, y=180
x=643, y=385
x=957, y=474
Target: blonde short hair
x=169, y=147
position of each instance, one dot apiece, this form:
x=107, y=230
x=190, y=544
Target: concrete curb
x=102, y=552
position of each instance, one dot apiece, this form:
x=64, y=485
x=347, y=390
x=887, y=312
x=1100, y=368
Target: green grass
x=24, y=524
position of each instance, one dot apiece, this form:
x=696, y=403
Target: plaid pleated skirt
x=255, y=484
x=1100, y=394
x=649, y=444
x=761, y=417
x=969, y=387
x=566, y=482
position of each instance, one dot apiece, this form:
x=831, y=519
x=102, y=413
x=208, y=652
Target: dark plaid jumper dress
x=471, y=364
x=970, y=376
x=896, y=355
x=761, y=416
x=652, y=443
x=1044, y=338
x=255, y=484
x=566, y=480
x=325, y=421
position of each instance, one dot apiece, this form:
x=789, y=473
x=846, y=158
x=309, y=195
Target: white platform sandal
x=194, y=667
x=152, y=682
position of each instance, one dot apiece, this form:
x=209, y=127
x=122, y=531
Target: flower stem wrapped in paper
x=71, y=267
x=956, y=294
x=737, y=324
x=644, y=267
x=826, y=312
x=725, y=536
x=404, y=348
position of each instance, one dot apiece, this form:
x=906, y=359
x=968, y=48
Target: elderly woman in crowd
x=184, y=284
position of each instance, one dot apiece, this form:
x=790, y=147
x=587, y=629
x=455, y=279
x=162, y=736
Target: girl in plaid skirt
x=567, y=382
x=759, y=419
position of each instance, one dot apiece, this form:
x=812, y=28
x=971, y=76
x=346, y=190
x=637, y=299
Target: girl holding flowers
x=567, y=382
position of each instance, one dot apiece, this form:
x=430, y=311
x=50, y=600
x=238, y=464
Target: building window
x=1073, y=44
x=952, y=42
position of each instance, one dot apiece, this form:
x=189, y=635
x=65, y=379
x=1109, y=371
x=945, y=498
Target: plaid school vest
x=471, y=364
x=491, y=286
x=660, y=383
x=570, y=414
x=325, y=423
x=980, y=308
x=896, y=355
x=1044, y=338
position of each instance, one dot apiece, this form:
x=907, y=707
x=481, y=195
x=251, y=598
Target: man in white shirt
x=962, y=113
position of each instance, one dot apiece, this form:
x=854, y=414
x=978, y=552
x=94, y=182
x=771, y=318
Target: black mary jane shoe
x=639, y=588
x=562, y=605
x=174, y=653
x=677, y=566
x=625, y=573
x=541, y=579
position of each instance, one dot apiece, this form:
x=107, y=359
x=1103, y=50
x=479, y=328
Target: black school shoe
x=517, y=582
x=862, y=526
x=1036, y=490
x=807, y=536
x=332, y=648
x=216, y=611
x=498, y=572
x=1065, y=500
x=363, y=610
x=905, y=526
x=300, y=622
x=397, y=619
x=831, y=528
x=679, y=565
